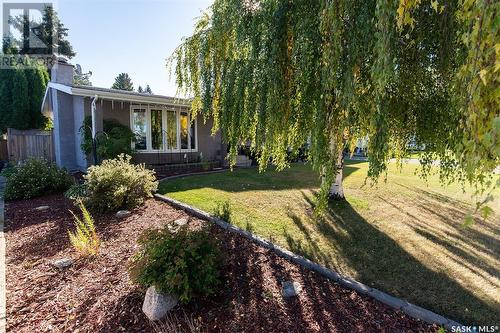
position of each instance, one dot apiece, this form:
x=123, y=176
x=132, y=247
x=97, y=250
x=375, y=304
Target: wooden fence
x=30, y=143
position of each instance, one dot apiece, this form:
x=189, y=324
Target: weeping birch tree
x=282, y=73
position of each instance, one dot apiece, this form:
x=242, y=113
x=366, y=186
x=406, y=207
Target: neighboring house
x=162, y=125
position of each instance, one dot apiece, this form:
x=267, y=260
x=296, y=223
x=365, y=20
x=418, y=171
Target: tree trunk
x=337, y=189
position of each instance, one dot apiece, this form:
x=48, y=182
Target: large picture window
x=162, y=129
x=139, y=128
x=184, y=130
x=171, y=130
x=156, y=130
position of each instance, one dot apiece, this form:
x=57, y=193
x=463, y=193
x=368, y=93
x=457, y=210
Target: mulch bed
x=95, y=295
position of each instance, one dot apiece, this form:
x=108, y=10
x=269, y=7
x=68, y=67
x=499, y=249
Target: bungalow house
x=165, y=133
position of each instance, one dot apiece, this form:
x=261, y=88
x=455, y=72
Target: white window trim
x=164, y=109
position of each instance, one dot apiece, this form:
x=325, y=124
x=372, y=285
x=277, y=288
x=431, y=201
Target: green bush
x=76, y=192
x=34, y=178
x=185, y=263
x=117, y=183
x=115, y=140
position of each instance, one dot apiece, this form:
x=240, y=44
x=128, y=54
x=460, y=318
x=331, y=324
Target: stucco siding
x=64, y=130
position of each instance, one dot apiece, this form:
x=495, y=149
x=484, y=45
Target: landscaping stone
x=182, y=221
x=290, y=288
x=156, y=304
x=42, y=208
x=63, y=263
x=122, y=213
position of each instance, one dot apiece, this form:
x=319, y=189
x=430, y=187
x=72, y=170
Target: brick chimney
x=62, y=72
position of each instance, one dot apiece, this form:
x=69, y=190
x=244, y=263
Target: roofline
x=112, y=94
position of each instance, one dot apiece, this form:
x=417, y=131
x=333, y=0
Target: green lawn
x=403, y=236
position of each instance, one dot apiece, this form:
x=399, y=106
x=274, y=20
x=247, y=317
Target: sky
x=131, y=36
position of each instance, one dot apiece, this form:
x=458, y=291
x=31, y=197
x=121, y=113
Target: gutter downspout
x=94, y=128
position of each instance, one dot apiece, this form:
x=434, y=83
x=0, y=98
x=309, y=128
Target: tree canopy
x=50, y=27
x=283, y=73
x=123, y=82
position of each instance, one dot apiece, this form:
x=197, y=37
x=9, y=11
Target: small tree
x=123, y=82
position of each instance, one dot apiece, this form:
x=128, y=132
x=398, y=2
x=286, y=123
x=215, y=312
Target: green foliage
x=184, y=263
x=123, y=82
x=279, y=74
x=114, y=141
x=21, y=94
x=76, y=192
x=117, y=183
x=45, y=30
x=223, y=211
x=8, y=170
x=84, y=239
x=34, y=178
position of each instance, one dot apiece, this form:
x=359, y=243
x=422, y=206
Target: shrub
x=114, y=141
x=185, y=263
x=76, y=192
x=117, y=183
x=222, y=210
x=85, y=239
x=7, y=170
x=34, y=178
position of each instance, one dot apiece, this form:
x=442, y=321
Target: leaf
x=486, y=211
x=468, y=221
x=434, y=5
x=482, y=75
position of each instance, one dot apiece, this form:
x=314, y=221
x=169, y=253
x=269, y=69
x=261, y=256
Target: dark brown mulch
x=95, y=295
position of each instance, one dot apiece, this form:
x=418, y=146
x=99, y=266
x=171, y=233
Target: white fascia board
x=129, y=98
x=118, y=96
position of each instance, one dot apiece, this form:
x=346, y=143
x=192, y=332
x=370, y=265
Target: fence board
x=29, y=143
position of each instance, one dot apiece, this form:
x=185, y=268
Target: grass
x=402, y=236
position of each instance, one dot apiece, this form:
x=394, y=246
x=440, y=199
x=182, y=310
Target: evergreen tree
x=20, y=118
x=123, y=82
x=21, y=95
x=51, y=25
x=6, y=79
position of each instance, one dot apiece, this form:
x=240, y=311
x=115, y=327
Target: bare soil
x=96, y=295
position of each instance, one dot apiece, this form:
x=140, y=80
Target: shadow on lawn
x=299, y=176
x=381, y=262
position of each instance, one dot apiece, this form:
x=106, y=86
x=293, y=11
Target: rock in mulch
x=42, y=208
x=157, y=304
x=122, y=214
x=182, y=221
x=290, y=289
x=63, y=263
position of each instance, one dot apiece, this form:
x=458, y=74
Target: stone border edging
x=412, y=310
x=3, y=286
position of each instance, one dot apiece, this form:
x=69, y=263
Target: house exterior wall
x=210, y=147
x=79, y=117
x=64, y=129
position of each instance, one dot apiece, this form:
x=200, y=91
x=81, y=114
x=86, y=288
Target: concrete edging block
x=412, y=310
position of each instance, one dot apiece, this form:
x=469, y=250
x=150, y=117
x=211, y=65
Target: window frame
x=164, y=109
